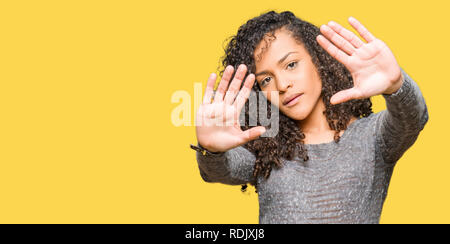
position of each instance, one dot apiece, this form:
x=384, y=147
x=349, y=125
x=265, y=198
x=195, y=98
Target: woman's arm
x=233, y=167
x=399, y=125
x=375, y=71
x=218, y=129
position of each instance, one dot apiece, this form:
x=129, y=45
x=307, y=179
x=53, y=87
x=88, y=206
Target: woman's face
x=286, y=67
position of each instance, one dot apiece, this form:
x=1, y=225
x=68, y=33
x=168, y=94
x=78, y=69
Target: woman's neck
x=316, y=121
x=316, y=128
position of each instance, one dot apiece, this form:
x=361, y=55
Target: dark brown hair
x=269, y=151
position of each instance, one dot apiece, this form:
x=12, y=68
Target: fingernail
x=325, y=28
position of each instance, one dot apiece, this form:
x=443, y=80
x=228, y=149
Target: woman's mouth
x=293, y=100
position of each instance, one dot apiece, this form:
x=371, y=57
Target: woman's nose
x=283, y=84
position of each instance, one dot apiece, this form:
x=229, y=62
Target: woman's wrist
x=396, y=87
x=204, y=151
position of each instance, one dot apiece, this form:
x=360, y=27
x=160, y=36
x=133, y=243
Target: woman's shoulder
x=366, y=126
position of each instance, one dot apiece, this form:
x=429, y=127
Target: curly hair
x=334, y=76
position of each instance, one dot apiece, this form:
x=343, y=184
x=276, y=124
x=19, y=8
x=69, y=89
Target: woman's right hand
x=217, y=122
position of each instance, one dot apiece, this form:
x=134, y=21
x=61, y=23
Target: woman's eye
x=264, y=81
x=292, y=65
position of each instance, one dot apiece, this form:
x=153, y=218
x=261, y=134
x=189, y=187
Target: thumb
x=253, y=133
x=344, y=96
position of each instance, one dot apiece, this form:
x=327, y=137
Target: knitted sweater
x=344, y=182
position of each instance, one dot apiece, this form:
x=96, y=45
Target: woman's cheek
x=273, y=97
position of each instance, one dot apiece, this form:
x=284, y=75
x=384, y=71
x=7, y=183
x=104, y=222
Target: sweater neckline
x=333, y=144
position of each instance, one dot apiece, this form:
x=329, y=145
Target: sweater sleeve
x=399, y=125
x=233, y=167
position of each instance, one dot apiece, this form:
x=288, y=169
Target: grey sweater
x=343, y=182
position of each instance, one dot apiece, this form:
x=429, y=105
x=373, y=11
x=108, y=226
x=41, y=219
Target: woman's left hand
x=372, y=65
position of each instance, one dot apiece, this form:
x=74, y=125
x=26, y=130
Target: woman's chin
x=295, y=114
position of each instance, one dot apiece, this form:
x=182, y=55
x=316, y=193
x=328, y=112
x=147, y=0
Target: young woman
x=332, y=158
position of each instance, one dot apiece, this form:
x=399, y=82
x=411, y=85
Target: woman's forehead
x=276, y=45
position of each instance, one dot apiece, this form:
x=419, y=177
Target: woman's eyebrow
x=279, y=62
x=285, y=57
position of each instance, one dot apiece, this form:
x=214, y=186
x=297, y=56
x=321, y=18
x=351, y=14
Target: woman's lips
x=293, y=101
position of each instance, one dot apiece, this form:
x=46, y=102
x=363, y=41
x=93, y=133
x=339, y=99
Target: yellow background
x=85, y=104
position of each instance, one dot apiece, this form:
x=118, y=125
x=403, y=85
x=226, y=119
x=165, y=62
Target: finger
x=332, y=50
x=244, y=92
x=361, y=29
x=338, y=40
x=344, y=96
x=235, y=84
x=348, y=35
x=223, y=85
x=253, y=133
x=209, y=88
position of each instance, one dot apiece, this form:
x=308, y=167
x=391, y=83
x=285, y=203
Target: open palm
x=372, y=65
x=217, y=122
